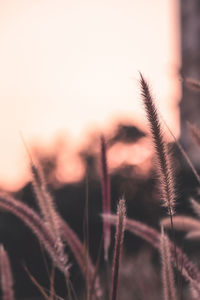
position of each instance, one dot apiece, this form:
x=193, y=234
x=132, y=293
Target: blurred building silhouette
x=190, y=52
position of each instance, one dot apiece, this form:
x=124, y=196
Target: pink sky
x=73, y=65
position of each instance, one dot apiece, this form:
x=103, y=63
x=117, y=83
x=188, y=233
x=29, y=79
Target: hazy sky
x=74, y=65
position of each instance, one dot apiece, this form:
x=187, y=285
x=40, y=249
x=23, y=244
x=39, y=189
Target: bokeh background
x=70, y=68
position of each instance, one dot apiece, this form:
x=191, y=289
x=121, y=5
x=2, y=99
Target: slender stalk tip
x=119, y=237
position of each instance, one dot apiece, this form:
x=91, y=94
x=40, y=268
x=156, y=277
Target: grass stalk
x=105, y=182
x=185, y=266
x=167, y=271
x=119, y=237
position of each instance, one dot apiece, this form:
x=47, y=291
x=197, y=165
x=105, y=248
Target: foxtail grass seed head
x=46, y=205
x=29, y=217
x=45, y=200
x=164, y=165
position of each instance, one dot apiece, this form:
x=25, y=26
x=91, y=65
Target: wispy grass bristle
x=119, y=237
x=6, y=277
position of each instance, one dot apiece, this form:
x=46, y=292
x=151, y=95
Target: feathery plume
x=105, y=182
x=6, y=277
x=181, y=223
x=185, y=266
x=167, y=271
x=38, y=227
x=195, y=132
x=193, y=84
x=163, y=159
x=46, y=203
x=78, y=250
x=45, y=200
x=119, y=237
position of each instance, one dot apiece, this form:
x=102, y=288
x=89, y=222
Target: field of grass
x=107, y=270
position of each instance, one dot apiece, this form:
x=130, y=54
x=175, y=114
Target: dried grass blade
x=182, y=223
x=36, y=283
x=38, y=227
x=40, y=288
x=193, y=235
x=6, y=276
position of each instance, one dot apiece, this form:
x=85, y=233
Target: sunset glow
x=73, y=65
